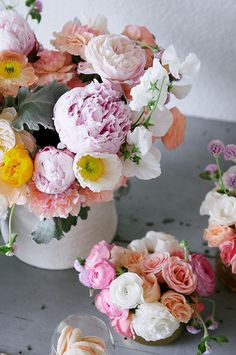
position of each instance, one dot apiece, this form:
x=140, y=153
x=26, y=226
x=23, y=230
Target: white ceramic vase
x=101, y=224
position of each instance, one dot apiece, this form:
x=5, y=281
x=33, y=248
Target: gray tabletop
x=33, y=301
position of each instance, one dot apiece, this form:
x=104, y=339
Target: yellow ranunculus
x=17, y=168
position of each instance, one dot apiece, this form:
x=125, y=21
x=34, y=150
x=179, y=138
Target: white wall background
x=206, y=27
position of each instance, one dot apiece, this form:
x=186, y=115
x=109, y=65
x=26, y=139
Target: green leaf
x=205, y=175
x=4, y=249
x=83, y=213
x=82, y=261
x=65, y=224
x=29, y=2
x=202, y=347
x=36, y=107
x=220, y=339
x=35, y=15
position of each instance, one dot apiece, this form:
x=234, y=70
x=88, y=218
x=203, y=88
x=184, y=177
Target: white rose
x=211, y=198
x=138, y=245
x=3, y=207
x=153, y=321
x=161, y=242
x=223, y=211
x=126, y=291
x=7, y=138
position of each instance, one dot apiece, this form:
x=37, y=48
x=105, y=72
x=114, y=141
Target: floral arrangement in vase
x=152, y=288
x=220, y=204
x=78, y=121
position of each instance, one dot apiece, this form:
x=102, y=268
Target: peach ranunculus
x=177, y=305
x=179, y=275
x=175, y=135
x=143, y=35
x=151, y=288
x=216, y=234
x=132, y=261
x=54, y=65
x=153, y=264
x=15, y=71
x=73, y=38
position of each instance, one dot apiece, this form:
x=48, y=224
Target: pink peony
x=101, y=275
x=228, y=251
x=205, y=274
x=104, y=305
x=15, y=33
x=53, y=170
x=153, y=264
x=115, y=58
x=179, y=275
x=216, y=234
x=53, y=65
x=60, y=205
x=73, y=38
x=99, y=252
x=123, y=326
x=92, y=118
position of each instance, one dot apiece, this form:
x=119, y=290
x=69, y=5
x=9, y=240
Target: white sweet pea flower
x=141, y=138
x=211, y=198
x=3, y=207
x=126, y=291
x=145, y=91
x=223, y=211
x=161, y=122
x=153, y=321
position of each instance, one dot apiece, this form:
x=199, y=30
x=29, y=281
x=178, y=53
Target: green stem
x=135, y=124
x=10, y=223
x=206, y=334
x=184, y=245
x=220, y=175
x=147, y=46
x=3, y=4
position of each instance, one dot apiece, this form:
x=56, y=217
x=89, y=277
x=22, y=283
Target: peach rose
x=132, y=261
x=216, y=235
x=179, y=275
x=175, y=135
x=151, y=288
x=177, y=305
x=153, y=264
x=117, y=254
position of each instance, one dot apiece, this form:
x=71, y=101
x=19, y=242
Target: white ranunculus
x=141, y=137
x=138, y=245
x=161, y=242
x=223, y=211
x=3, y=207
x=148, y=167
x=126, y=291
x=141, y=93
x=161, y=122
x=97, y=171
x=210, y=199
x=153, y=321
x=7, y=138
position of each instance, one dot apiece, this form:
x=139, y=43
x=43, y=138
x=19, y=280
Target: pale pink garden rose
x=104, y=305
x=177, y=305
x=92, y=118
x=60, y=205
x=53, y=170
x=115, y=58
x=15, y=33
x=216, y=234
x=179, y=276
x=205, y=274
x=53, y=65
x=73, y=38
x=151, y=288
x=123, y=326
x=153, y=264
x=228, y=251
x=101, y=275
x=100, y=251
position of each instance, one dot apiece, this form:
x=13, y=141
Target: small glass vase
x=224, y=274
x=89, y=326
x=166, y=341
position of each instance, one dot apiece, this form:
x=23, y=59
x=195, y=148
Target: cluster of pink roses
x=220, y=204
x=149, y=288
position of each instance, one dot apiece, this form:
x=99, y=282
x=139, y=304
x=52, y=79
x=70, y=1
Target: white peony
x=3, y=207
x=97, y=171
x=223, y=211
x=141, y=93
x=153, y=321
x=126, y=291
x=210, y=199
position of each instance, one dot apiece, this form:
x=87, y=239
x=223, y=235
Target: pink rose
x=132, y=261
x=92, y=118
x=228, y=251
x=115, y=58
x=153, y=264
x=53, y=65
x=151, y=288
x=216, y=235
x=101, y=275
x=99, y=252
x=15, y=33
x=123, y=326
x=179, y=275
x=53, y=170
x=205, y=274
x=104, y=305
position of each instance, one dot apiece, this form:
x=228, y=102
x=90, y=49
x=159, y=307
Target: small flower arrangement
x=151, y=288
x=220, y=203
x=78, y=121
